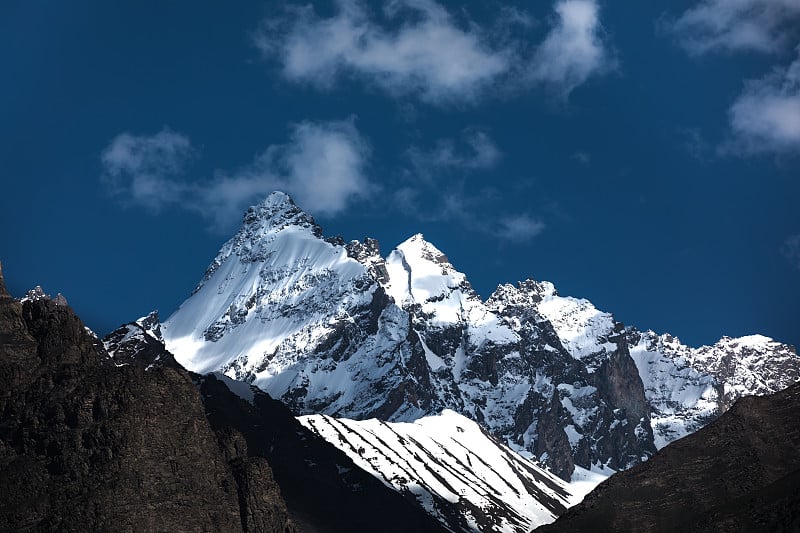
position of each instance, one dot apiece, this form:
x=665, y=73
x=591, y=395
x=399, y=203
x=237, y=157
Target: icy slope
x=459, y=473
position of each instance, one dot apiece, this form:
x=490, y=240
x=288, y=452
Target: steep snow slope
x=458, y=472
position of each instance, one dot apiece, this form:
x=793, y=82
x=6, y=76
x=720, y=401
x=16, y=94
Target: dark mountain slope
x=739, y=473
x=87, y=445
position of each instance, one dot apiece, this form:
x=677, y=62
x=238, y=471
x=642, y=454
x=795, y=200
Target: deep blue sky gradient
x=655, y=226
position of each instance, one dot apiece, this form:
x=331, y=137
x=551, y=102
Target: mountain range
x=332, y=327
x=412, y=394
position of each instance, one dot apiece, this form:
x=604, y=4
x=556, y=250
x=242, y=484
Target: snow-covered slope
x=458, y=472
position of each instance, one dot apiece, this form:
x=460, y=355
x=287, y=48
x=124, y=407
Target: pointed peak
x=277, y=199
x=276, y=212
x=36, y=293
x=417, y=246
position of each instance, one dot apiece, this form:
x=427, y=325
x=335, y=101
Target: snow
x=286, y=282
x=585, y=481
x=449, y=458
x=581, y=327
x=683, y=384
x=434, y=361
x=419, y=273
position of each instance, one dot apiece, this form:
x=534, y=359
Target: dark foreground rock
x=87, y=445
x=739, y=473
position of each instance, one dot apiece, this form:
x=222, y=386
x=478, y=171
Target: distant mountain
x=688, y=387
x=334, y=328
x=739, y=473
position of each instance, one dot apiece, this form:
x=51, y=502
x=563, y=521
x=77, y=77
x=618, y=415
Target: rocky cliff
x=92, y=443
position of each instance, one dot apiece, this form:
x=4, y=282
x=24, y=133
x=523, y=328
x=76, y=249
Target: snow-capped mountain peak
x=277, y=277
x=688, y=387
x=583, y=330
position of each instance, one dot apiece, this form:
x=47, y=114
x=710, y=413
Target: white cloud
x=734, y=25
x=322, y=167
x=573, y=50
x=137, y=168
x=475, y=151
x=422, y=50
x=791, y=250
x=518, y=228
x=428, y=55
x=766, y=116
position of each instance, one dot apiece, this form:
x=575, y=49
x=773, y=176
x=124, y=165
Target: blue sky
x=645, y=156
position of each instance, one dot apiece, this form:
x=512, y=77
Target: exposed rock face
x=88, y=442
x=739, y=473
x=592, y=408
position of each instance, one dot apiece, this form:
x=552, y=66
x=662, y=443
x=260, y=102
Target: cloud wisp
x=436, y=188
x=139, y=169
x=791, y=250
x=737, y=25
x=766, y=115
x=518, y=228
x=474, y=151
x=322, y=167
x=417, y=48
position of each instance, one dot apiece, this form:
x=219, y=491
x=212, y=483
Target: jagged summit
x=276, y=212
x=524, y=293
x=38, y=293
